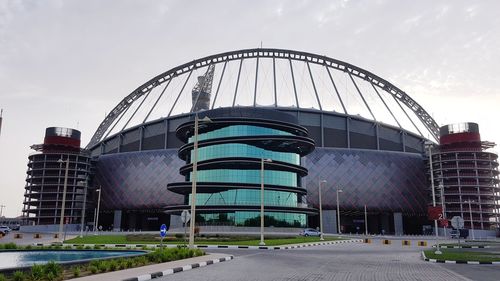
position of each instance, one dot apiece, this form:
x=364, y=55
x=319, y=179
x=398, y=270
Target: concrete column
x=398, y=224
x=117, y=220
x=330, y=221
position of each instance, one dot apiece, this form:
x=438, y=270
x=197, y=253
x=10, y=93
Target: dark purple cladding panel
x=138, y=180
x=384, y=181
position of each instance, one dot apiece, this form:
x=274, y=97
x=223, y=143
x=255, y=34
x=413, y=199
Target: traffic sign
x=163, y=230
x=443, y=222
x=185, y=216
x=457, y=222
x=435, y=213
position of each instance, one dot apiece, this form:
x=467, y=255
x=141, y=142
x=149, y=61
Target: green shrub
x=10, y=246
x=129, y=263
x=76, y=271
x=2, y=277
x=18, y=276
x=113, y=265
x=94, y=263
x=28, y=247
x=51, y=277
x=97, y=247
x=37, y=272
x=68, y=247
x=103, y=266
x=179, y=235
x=53, y=269
x=79, y=247
x=88, y=248
x=93, y=269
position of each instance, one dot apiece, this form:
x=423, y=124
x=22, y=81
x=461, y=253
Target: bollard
x=367, y=240
x=422, y=243
x=386, y=242
x=406, y=243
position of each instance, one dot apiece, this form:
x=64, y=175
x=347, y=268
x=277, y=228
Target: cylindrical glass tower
x=231, y=148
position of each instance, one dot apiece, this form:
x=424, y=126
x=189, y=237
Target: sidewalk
x=144, y=271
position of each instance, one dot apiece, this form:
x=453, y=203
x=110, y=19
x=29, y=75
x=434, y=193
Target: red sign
x=444, y=222
x=435, y=213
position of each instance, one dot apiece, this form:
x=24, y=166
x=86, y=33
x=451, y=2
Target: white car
x=5, y=230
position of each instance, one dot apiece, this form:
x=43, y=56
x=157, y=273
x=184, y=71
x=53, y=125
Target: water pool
x=17, y=259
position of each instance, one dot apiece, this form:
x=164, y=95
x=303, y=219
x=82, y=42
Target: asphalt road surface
x=354, y=261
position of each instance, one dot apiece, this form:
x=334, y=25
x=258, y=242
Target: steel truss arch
x=350, y=69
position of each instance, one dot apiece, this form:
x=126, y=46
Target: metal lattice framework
x=352, y=71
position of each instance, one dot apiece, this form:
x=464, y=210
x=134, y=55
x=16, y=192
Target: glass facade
x=247, y=197
x=247, y=176
x=243, y=150
x=237, y=201
x=238, y=131
x=275, y=219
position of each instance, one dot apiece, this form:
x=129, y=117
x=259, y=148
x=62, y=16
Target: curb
x=463, y=247
x=177, y=269
x=459, y=261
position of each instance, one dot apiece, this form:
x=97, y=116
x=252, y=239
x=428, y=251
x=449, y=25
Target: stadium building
x=303, y=119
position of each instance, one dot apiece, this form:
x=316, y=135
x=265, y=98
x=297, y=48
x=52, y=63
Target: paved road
x=335, y=262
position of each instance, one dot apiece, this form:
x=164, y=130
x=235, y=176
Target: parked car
x=5, y=229
x=16, y=227
x=310, y=232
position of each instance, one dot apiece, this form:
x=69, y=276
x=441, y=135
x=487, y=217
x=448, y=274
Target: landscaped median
x=133, y=240
x=461, y=256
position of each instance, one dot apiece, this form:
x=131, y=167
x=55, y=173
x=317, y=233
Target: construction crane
x=202, y=89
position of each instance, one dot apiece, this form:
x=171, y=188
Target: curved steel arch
x=422, y=115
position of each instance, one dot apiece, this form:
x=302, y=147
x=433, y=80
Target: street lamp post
x=84, y=206
x=366, y=222
x=429, y=145
x=441, y=189
x=192, y=224
x=262, y=160
x=96, y=222
x=61, y=220
x=321, y=210
x=338, y=190
x=470, y=216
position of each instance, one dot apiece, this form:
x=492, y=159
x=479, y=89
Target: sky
x=67, y=63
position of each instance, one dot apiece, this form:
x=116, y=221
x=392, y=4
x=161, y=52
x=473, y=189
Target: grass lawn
x=460, y=255
x=149, y=239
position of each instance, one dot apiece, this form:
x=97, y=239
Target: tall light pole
x=262, y=160
x=84, y=206
x=338, y=190
x=61, y=220
x=441, y=189
x=429, y=145
x=320, y=210
x=470, y=215
x=194, y=179
x=1, y=210
x=96, y=222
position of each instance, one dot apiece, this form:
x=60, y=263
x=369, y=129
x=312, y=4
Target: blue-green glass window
x=239, y=130
x=247, y=197
x=243, y=150
x=247, y=176
x=276, y=219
